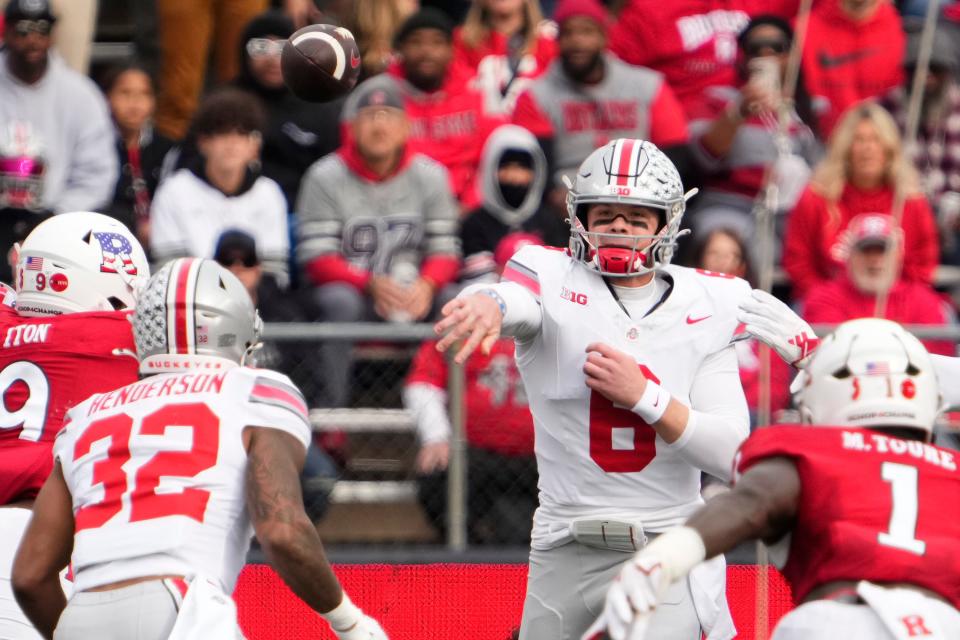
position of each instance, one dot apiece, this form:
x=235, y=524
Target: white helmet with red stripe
x=872, y=373
x=194, y=314
x=633, y=172
x=79, y=261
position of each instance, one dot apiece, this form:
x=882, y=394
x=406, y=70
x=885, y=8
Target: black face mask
x=514, y=194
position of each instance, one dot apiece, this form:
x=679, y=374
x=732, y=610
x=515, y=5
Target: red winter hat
x=512, y=243
x=870, y=229
x=581, y=8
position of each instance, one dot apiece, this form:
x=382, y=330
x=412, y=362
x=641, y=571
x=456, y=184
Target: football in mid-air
x=320, y=62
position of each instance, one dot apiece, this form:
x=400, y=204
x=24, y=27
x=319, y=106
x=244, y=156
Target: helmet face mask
x=870, y=373
x=630, y=172
x=194, y=314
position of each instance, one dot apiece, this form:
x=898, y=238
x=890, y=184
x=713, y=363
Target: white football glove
x=776, y=325
x=366, y=629
x=631, y=600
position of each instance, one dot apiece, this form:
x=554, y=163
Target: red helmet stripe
x=180, y=293
x=626, y=152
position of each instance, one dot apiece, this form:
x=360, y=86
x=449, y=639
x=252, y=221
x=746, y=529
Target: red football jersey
x=872, y=507
x=497, y=415
x=47, y=365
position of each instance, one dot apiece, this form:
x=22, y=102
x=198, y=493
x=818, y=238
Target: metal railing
x=388, y=419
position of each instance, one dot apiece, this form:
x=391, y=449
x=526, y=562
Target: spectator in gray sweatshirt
x=56, y=139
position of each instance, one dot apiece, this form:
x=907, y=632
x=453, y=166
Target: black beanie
x=269, y=23
x=426, y=18
x=519, y=156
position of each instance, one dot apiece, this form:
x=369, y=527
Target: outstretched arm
x=762, y=505
x=44, y=552
x=288, y=537
x=482, y=312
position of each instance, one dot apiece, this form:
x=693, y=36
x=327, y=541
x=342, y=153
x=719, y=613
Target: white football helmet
x=634, y=172
x=194, y=314
x=80, y=261
x=870, y=373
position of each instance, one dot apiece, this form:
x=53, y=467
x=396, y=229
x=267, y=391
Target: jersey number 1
x=145, y=502
x=901, y=534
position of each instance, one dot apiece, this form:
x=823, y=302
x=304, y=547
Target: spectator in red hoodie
x=588, y=97
x=692, y=42
x=853, y=293
x=449, y=122
x=853, y=51
x=377, y=228
x=503, y=45
x=865, y=165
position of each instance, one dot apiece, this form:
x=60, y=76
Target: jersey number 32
x=145, y=502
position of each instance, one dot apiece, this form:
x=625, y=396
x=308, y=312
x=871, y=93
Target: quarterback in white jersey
x=158, y=486
x=633, y=385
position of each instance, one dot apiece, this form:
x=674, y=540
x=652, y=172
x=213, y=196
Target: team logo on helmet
x=117, y=252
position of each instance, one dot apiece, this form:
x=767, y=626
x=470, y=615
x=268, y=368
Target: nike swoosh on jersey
x=828, y=61
x=692, y=320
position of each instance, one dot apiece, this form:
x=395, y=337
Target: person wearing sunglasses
x=296, y=133
x=734, y=135
x=50, y=117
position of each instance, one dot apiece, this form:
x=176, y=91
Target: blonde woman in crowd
x=505, y=43
x=864, y=167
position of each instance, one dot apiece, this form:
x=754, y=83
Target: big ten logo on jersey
x=502, y=380
x=374, y=242
x=26, y=334
x=117, y=252
x=573, y=296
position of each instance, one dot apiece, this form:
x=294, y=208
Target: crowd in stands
x=469, y=117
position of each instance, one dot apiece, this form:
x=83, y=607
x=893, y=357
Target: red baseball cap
x=870, y=229
x=582, y=8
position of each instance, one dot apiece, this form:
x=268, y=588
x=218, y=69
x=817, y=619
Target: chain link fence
x=365, y=483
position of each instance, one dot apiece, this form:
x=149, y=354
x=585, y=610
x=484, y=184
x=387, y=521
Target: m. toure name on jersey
x=860, y=441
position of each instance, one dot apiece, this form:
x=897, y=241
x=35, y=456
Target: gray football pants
x=143, y=611
x=566, y=588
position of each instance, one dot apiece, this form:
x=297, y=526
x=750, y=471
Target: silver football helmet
x=634, y=172
x=194, y=314
x=869, y=373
